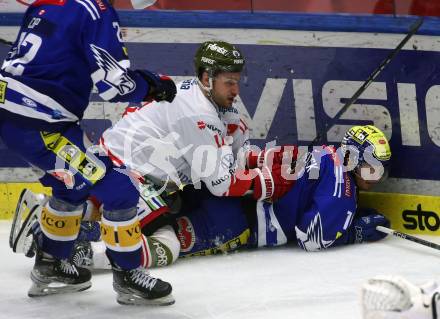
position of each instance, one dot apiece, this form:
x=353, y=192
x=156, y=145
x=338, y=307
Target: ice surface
x=282, y=282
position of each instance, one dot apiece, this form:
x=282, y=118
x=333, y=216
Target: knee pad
x=116, y=191
x=60, y=220
x=62, y=205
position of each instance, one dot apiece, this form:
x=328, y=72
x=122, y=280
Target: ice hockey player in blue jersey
x=63, y=49
x=320, y=210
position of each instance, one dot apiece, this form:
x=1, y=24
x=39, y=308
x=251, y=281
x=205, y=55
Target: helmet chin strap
x=208, y=91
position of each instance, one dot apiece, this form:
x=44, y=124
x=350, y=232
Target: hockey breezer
x=414, y=28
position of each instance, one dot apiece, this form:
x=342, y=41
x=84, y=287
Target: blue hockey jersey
x=63, y=48
x=317, y=211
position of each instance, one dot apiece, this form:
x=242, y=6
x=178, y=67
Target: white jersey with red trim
x=183, y=142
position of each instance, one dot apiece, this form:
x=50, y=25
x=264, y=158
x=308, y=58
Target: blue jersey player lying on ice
x=318, y=212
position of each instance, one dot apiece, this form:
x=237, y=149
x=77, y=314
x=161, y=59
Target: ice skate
x=138, y=287
x=53, y=276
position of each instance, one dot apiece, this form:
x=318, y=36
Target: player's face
x=226, y=87
x=366, y=177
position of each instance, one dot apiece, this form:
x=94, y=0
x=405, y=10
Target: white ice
x=272, y=283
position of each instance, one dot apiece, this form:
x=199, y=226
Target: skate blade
x=134, y=300
x=40, y=289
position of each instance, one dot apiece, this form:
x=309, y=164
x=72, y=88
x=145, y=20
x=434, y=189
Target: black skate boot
x=138, y=287
x=53, y=276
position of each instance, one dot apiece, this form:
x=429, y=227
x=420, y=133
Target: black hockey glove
x=162, y=87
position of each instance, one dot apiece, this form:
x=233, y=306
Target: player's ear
x=204, y=78
x=346, y=157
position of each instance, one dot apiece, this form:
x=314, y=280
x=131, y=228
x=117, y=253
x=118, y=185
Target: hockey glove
x=265, y=183
x=270, y=184
x=363, y=229
x=270, y=156
x=162, y=87
x=89, y=231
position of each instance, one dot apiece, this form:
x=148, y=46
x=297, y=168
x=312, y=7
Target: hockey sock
x=60, y=223
x=122, y=238
x=161, y=248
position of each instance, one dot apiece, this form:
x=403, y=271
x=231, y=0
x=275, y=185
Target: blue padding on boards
x=263, y=20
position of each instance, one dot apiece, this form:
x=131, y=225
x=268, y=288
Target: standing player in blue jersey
x=63, y=48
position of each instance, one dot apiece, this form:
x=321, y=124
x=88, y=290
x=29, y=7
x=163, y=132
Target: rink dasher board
x=412, y=214
x=408, y=131
x=408, y=213
x=286, y=96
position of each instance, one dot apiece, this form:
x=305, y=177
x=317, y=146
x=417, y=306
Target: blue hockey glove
x=162, y=87
x=89, y=231
x=363, y=229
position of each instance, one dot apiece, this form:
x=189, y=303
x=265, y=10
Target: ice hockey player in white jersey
x=193, y=140
x=196, y=138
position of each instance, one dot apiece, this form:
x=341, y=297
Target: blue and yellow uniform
x=63, y=49
x=318, y=212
